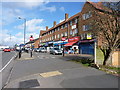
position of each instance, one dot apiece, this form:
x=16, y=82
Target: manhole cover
x=29, y=83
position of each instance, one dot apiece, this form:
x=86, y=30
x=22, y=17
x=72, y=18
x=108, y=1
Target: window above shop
x=65, y=34
x=71, y=32
x=70, y=23
x=87, y=15
x=62, y=35
x=66, y=25
x=58, y=28
x=76, y=20
x=76, y=31
x=86, y=27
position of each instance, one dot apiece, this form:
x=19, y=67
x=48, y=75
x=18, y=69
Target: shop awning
x=70, y=43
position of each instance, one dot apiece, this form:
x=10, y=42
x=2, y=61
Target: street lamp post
x=24, y=27
x=63, y=39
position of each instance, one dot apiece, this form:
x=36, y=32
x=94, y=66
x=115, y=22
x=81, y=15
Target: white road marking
x=7, y=63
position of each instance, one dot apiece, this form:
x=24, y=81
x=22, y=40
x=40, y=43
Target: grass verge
x=90, y=63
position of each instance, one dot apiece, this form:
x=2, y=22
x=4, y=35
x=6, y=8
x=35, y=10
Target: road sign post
x=63, y=39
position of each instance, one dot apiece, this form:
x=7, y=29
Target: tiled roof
x=42, y=31
x=96, y=5
x=63, y=22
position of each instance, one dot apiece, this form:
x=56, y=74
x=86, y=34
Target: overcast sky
x=38, y=13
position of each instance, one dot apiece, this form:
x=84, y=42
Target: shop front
x=60, y=44
x=50, y=44
x=86, y=46
x=72, y=45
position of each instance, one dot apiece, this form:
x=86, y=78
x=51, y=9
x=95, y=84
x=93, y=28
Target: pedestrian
x=20, y=51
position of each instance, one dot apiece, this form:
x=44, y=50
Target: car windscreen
x=56, y=49
x=7, y=48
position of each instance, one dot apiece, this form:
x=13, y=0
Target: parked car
x=38, y=50
x=35, y=49
x=43, y=50
x=7, y=50
x=55, y=51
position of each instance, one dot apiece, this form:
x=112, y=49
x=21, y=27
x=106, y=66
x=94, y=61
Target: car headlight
x=56, y=51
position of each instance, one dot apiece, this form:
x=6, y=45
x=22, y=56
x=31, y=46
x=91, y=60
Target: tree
x=107, y=26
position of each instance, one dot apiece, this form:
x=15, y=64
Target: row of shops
x=72, y=45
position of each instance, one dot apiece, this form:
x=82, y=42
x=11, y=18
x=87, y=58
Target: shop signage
x=63, y=38
x=50, y=42
x=73, y=39
x=83, y=41
x=31, y=38
x=73, y=26
x=89, y=36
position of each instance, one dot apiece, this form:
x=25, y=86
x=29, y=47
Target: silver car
x=55, y=51
x=43, y=50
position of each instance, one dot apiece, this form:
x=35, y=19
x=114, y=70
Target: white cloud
x=61, y=20
x=33, y=28
x=8, y=39
x=24, y=3
x=10, y=15
x=51, y=9
x=19, y=34
x=11, y=40
x=62, y=8
x=33, y=25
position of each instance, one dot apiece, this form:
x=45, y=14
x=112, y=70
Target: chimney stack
x=66, y=16
x=46, y=28
x=54, y=23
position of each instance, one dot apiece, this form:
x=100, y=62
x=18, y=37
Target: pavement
x=44, y=71
x=25, y=56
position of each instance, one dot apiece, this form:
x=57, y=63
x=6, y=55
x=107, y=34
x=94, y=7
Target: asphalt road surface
x=6, y=65
x=74, y=75
x=6, y=56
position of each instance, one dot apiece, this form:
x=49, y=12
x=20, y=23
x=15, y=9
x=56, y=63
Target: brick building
x=76, y=29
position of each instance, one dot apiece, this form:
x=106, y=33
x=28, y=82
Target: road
x=6, y=56
x=6, y=65
x=74, y=75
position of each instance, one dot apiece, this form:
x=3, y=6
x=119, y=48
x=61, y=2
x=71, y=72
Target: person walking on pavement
x=20, y=52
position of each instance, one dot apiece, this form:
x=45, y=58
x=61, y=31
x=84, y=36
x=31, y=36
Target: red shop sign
x=73, y=39
x=31, y=38
x=63, y=38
